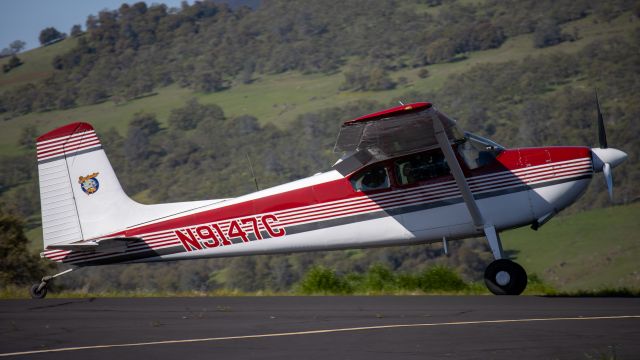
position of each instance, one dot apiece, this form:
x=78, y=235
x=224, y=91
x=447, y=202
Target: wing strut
x=489, y=230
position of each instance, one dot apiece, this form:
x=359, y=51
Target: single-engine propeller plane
x=406, y=175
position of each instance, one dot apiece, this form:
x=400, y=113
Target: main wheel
x=38, y=294
x=505, y=277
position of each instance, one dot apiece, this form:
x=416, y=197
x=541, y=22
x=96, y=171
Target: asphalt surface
x=463, y=327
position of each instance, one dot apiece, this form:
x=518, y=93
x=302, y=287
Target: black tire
x=516, y=283
x=35, y=294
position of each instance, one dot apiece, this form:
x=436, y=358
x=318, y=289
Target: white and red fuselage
x=326, y=212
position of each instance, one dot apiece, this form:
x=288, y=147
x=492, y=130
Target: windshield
x=478, y=151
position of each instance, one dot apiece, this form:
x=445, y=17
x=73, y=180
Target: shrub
x=322, y=280
x=14, y=62
x=440, y=278
x=379, y=278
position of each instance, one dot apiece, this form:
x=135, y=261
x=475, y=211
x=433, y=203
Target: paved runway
x=462, y=327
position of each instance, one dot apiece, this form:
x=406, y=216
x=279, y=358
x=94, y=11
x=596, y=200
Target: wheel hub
x=503, y=278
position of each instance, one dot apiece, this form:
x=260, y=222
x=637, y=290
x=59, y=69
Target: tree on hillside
x=50, y=34
x=189, y=116
x=16, y=46
x=18, y=265
x=141, y=129
x=440, y=50
x=365, y=77
x=209, y=81
x=76, y=30
x=14, y=62
x=548, y=33
x=28, y=136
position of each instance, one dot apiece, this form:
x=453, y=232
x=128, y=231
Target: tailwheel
x=38, y=291
x=505, y=277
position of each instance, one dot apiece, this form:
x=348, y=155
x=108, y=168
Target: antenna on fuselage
x=255, y=179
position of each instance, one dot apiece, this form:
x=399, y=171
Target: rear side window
x=375, y=178
x=421, y=167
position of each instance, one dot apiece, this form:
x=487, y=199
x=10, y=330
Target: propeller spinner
x=604, y=158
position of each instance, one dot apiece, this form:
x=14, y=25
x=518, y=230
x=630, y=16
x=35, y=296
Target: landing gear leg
x=502, y=276
x=39, y=291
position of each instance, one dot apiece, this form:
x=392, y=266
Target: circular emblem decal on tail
x=89, y=183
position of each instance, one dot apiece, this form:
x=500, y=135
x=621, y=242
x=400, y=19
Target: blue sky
x=24, y=19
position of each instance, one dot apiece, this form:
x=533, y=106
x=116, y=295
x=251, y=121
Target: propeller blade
x=608, y=178
x=602, y=135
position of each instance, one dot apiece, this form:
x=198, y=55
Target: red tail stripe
x=71, y=150
x=65, y=140
x=44, y=150
x=68, y=148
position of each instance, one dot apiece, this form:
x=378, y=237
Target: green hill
x=36, y=64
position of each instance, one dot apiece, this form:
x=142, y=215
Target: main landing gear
x=502, y=276
x=39, y=291
x=505, y=277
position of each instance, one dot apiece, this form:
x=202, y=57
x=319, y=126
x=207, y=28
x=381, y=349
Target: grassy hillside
x=590, y=250
x=36, y=64
x=278, y=99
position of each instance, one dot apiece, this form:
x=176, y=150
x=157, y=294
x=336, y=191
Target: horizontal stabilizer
x=118, y=244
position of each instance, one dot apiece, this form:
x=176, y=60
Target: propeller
x=602, y=135
x=604, y=158
x=608, y=178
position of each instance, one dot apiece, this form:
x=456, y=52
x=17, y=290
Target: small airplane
x=407, y=175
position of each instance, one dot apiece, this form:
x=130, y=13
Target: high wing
x=394, y=132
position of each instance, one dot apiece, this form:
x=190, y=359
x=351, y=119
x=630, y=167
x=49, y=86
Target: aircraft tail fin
x=80, y=195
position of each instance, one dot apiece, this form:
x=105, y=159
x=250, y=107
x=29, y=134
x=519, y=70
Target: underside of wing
x=394, y=132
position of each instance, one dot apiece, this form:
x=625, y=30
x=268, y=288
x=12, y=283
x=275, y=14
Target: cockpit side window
x=421, y=167
x=375, y=178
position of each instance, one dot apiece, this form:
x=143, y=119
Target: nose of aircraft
x=611, y=156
